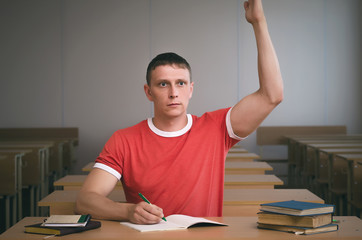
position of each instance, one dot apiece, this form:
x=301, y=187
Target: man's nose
x=173, y=92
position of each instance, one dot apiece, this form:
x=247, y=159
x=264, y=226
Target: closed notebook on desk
x=59, y=231
x=297, y=208
x=67, y=221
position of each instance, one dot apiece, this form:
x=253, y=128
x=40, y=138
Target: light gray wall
x=81, y=63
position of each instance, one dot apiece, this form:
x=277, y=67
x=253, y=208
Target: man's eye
x=181, y=83
x=163, y=84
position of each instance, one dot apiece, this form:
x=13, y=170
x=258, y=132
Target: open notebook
x=174, y=222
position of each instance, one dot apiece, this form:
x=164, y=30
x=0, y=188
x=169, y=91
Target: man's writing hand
x=144, y=213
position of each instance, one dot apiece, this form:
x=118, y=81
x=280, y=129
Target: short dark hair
x=168, y=58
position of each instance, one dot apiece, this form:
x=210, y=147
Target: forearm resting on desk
x=92, y=199
x=101, y=207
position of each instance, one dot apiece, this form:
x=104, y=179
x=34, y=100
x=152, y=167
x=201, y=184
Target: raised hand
x=254, y=12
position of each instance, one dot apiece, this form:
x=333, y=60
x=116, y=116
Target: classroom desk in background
x=316, y=164
x=34, y=169
x=237, y=202
x=237, y=150
x=356, y=190
x=11, y=175
x=343, y=177
x=304, y=145
x=323, y=136
x=328, y=151
x=63, y=202
x=301, y=143
x=52, y=150
x=74, y=182
x=88, y=167
x=350, y=156
x=247, y=167
x=238, y=228
x=64, y=138
x=5, y=192
x=327, y=155
x=245, y=157
x=313, y=149
x=254, y=181
x=35, y=166
x=296, y=144
x=246, y=202
x=322, y=164
x=338, y=168
x=335, y=145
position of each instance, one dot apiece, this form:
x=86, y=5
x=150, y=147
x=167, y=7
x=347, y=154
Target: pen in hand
x=145, y=199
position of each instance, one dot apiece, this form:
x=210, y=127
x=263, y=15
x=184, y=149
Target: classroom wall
x=81, y=63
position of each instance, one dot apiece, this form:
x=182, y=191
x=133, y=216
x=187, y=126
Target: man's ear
x=148, y=92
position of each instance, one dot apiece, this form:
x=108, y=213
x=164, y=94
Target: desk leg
x=7, y=212
x=42, y=173
x=15, y=209
x=19, y=196
x=289, y=163
x=349, y=186
x=316, y=174
x=31, y=189
x=330, y=177
x=37, y=199
x=46, y=155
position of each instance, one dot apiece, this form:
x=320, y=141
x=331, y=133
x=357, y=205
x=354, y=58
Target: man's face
x=170, y=90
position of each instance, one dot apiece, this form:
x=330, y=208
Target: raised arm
x=250, y=111
x=92, y=199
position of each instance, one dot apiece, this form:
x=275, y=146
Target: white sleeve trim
x=230, y=128
x=108, y=169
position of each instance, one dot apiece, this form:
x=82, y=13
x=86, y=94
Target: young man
x=175, y=159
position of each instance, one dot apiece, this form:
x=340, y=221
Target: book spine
x=84, y=218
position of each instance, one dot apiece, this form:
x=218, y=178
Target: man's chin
x=175, y=113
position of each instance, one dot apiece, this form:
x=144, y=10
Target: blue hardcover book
x=297, y=208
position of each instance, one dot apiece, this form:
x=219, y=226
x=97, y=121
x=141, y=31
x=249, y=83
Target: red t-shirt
x=182, y=172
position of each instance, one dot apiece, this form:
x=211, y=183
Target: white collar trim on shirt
x=170, y=134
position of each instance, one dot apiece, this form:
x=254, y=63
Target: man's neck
x=170, y=124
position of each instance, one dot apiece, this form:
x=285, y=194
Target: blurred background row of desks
x=31, y=159
x=324, y=159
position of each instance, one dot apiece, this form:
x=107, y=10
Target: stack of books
x=297, y=217
x=60, y=225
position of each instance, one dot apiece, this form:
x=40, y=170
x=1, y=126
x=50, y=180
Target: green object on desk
x=145, y=199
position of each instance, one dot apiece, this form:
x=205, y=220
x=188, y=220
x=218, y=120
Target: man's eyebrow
x=167, y=80
x=162, y=80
